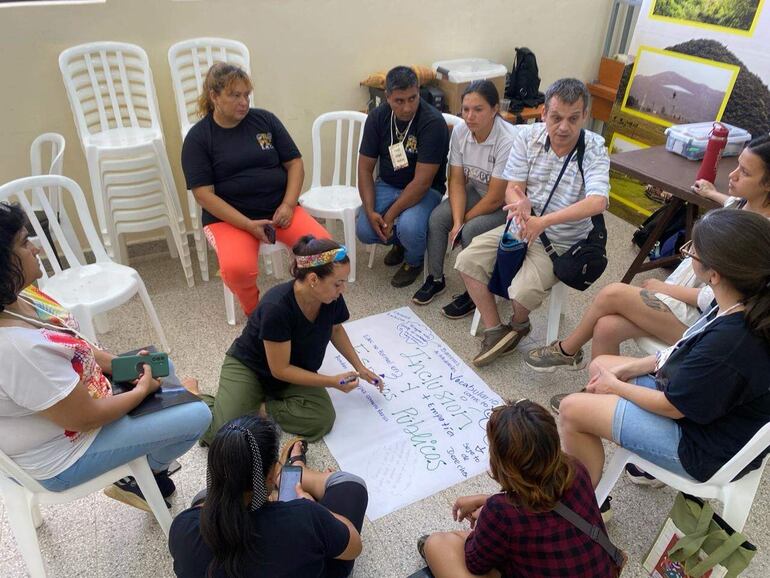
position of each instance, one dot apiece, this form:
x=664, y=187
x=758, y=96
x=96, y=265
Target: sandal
x=287, y=460
x=421, y=545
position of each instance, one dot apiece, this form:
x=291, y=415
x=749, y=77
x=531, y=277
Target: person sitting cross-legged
x=540, y=153
x=409, y=138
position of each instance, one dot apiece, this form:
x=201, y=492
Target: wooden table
x=524, y=115
x=674, y=174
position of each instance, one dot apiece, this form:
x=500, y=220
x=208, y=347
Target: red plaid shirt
x=526, y=544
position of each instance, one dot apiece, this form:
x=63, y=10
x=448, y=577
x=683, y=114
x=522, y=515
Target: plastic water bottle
x=714, y=148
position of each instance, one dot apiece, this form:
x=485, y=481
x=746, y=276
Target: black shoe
x=126, y=490
x=429, y=290
x=642, y=478
x=406, y=275
x=461, y=306
x=606, y=510
x=395, y=256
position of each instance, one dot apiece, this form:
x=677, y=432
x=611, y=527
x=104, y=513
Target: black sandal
x=289, y=460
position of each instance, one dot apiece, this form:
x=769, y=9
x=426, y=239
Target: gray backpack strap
x=594, y=532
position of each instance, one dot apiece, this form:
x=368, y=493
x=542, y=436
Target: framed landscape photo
x=733, y=16
x=669, y=88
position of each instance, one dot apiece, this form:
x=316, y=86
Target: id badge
x=398, y=156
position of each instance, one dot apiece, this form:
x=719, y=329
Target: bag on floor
x=674, y=226
x=696, y=543
x=510, y=255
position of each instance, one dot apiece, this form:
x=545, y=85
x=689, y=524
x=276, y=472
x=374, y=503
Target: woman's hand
x=704, y=188
x=257, y=228
x=345, y=382
x=468, y=508
x=369, y=376
x=603, y=382
x=655, y=285
x=146, y=382
x=453, y=233
x=283, y=216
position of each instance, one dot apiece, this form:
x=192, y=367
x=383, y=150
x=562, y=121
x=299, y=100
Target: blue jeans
x=162, y=436
x=411, y=226
x=649, y=435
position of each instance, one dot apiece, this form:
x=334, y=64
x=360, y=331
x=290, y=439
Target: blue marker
x=348, y=379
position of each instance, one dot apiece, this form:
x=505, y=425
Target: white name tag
x=398, y=156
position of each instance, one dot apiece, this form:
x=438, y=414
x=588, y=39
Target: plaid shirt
x=526, y=544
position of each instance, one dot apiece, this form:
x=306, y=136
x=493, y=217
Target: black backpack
x=673, y=235
x=523, y=87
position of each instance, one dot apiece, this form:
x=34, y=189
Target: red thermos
x=717, y=143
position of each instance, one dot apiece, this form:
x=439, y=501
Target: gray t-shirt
x=482, y=161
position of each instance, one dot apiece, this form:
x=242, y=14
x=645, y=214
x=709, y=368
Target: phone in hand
x=270, y=233
x=290, y=477
x=129, y=367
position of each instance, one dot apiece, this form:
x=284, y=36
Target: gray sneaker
x=548, y=357
x=498, y=342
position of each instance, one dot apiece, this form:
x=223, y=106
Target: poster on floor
x=426, y=431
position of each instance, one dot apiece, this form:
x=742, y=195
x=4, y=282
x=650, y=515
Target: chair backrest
x=109, y=86
x=452, y=120
x=10, y=469
x=49, y=146
x=755, y=446
x=18, y=191
x=355, y=123
x=190, y=60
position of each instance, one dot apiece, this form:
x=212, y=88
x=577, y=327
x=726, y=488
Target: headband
x=259, y=490
x=331, y=256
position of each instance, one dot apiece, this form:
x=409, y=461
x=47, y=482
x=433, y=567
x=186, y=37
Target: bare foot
x=191, y=385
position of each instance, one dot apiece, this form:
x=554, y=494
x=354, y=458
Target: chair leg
x=230, y=304
x=152, y=314
x=738, y=498
x=349, y=230
x=22, y=523
x=277, y=264
x=142, y=473
x=611, y=474
x=171, y=243
x=85, y=321
x=475, y=322
x=555, y=303
x=372, y=251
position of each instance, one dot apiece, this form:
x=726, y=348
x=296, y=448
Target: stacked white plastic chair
x=340, y=199
x=23, y=496
x=87, y=290
x=111, y=92
x=189, y=61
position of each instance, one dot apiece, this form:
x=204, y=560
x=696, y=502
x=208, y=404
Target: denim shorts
x=650, y=436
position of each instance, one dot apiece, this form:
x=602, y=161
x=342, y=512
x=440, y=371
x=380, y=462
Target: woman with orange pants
x=246, y=172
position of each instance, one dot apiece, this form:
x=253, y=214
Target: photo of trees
x=732, y=14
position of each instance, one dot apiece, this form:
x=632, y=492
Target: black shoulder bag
x=586, y=260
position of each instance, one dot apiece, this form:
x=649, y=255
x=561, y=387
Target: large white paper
x=426, y=431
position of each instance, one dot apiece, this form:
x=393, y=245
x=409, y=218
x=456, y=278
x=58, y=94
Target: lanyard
x=393, y=122
x=37, y=322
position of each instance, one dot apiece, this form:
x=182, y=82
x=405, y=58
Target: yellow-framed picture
x=620, y=143
x=732, y=16
x=669, y=88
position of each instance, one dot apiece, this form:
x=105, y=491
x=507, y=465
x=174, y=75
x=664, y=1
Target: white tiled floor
x=99, y=537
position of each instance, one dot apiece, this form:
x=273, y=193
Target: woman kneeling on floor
x=236, y=529
x=274, y=363
x=692, y=407
x=517, y=532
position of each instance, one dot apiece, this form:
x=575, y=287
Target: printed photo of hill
x=669, y=89
x=732, y=14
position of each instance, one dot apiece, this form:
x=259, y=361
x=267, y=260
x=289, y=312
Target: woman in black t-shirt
x=273, y=366
x=246, y=172
x=692, y=407
x=239, y=528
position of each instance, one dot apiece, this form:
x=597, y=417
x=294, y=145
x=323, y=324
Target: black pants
x=345, y=495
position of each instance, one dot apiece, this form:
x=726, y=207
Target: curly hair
x=12, y=221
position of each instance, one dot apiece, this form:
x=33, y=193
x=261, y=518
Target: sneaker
x=549, y=357
x=395, y=256
x=606, y=510
x=555, y=402
x=461, y=306
x=640, y=477
x=406, y=275
x=126, y=490
x=499, y=341
x=429, y=290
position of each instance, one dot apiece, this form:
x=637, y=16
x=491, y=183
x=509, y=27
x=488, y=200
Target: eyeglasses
x=686, y=251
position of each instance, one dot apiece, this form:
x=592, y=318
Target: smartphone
x=270, y=233
x=290, y=477
x=129, y=367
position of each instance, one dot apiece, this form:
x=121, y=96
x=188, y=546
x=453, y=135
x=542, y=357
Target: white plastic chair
x=110, y=89
x=737, y=496
x=650, y=345
x=556, y=302
x=451, y=122
x=189, y=61
x=340, y=199
x=24, y=496
x=85, y=289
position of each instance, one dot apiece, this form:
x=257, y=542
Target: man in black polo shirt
x=410, y=139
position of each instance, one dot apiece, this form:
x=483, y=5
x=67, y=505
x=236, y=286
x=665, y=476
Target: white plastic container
x=454, y=76
x=690, y=140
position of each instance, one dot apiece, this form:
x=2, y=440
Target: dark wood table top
x=671, y=172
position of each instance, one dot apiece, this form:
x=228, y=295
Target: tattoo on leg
x=651, y=301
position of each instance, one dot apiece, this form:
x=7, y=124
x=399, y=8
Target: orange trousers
x=238, y=253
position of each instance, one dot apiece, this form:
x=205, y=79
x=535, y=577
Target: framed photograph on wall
x=669, y=88
x=733, y=16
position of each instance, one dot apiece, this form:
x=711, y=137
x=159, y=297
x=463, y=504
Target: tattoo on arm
x=652, y=302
